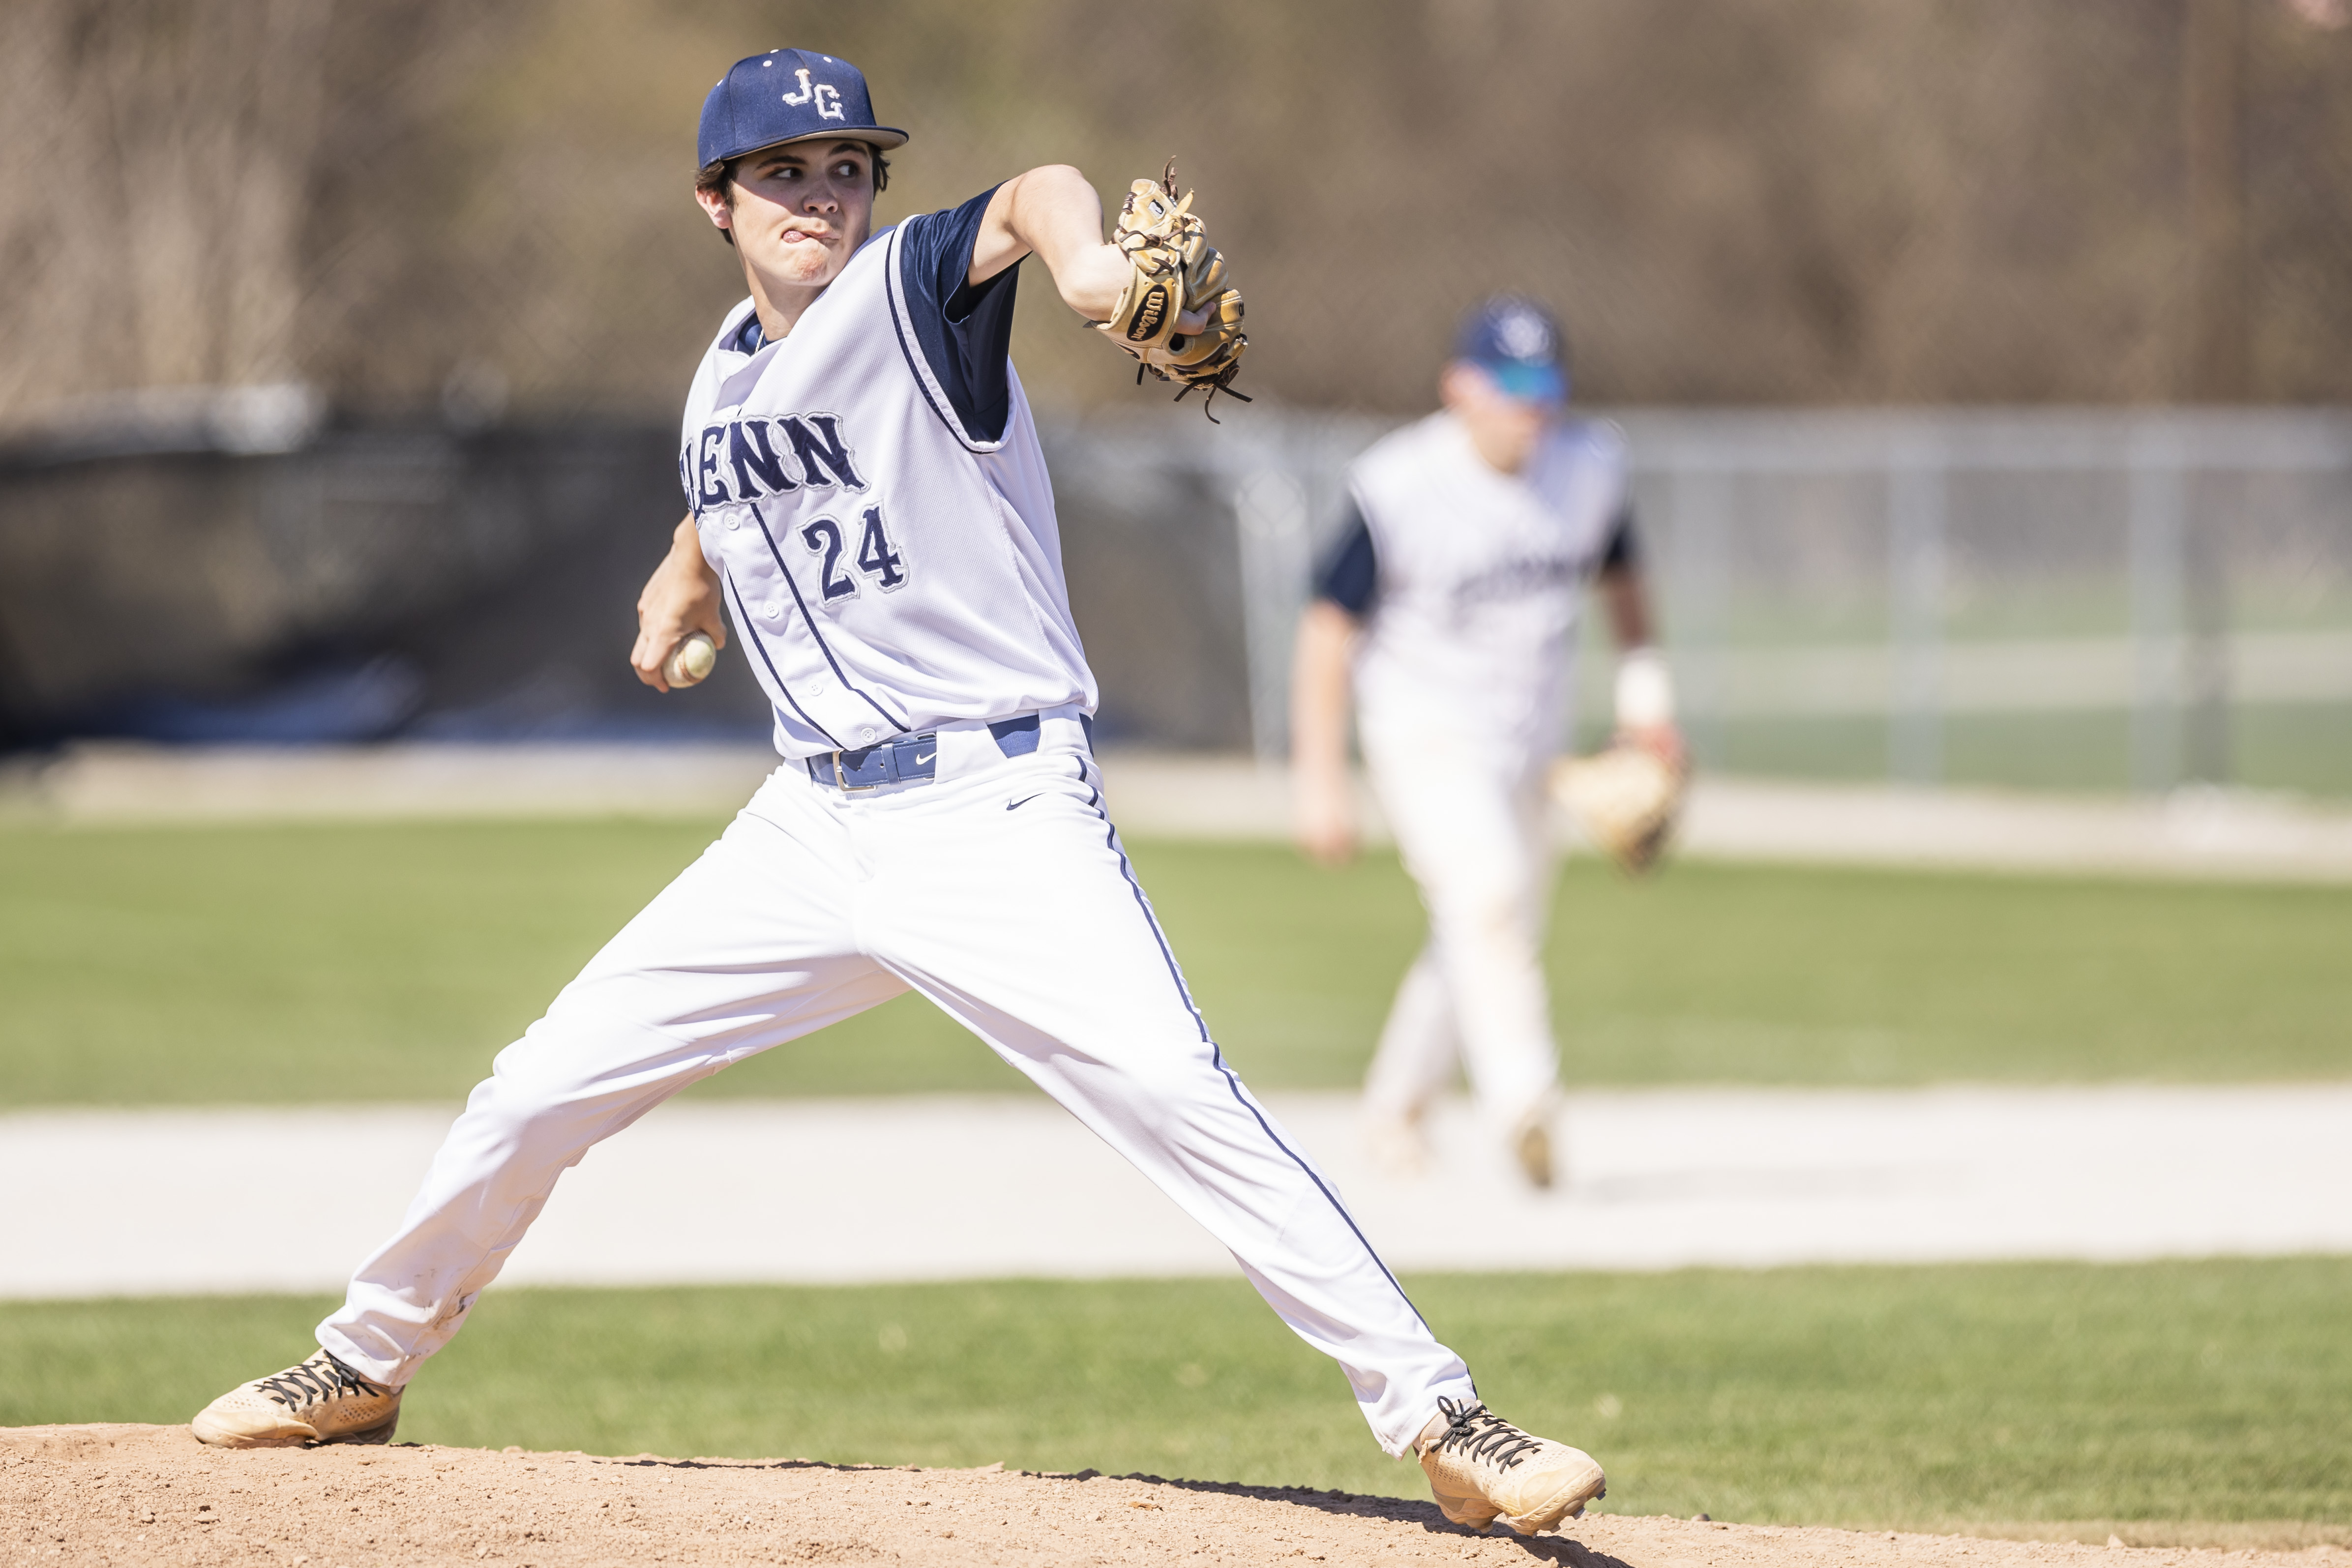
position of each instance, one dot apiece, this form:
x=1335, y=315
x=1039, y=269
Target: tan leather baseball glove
x=1625, y=799
x=1177, y=270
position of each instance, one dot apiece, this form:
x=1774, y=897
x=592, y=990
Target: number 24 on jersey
x=876, y=557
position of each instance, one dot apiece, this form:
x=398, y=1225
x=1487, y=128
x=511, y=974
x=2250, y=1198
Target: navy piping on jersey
x=809, y=621
x=1216, y=1056
x=743, y=619
x=907, y=352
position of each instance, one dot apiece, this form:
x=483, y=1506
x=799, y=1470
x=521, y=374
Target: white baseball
x=692, y=660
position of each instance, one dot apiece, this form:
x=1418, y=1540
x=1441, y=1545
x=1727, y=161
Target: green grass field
x=1914, y=1398
x=318, y=964
x=343, y=963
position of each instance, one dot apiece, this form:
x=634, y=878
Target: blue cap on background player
x=787, y=95
x=1517, y=342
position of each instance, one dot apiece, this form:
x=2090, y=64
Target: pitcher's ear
x=714, y=189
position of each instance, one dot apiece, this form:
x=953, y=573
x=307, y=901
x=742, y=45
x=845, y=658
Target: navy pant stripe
x=1232, y=1080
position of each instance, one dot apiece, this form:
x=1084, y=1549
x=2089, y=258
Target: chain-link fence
x=2050, y=599
x=2069, y=599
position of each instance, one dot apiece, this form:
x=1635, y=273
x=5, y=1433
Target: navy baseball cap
x=787, y=95
x=1517, y=342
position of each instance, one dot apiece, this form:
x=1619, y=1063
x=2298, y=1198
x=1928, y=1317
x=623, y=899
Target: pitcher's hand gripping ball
x=1625, y=799
x=1177, y=270
x=691, y=662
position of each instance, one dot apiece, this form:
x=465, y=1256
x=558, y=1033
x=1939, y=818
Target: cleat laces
x=1477, y=1433
x=316, y=1381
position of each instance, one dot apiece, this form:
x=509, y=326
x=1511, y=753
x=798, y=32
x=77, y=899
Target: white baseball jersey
x=1469, y=579
x=871, y=493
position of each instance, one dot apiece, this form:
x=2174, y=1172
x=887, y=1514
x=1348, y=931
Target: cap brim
x=883, y=137
x=1529, y=384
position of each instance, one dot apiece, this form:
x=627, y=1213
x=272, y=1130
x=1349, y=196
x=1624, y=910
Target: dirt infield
x=122, y=1494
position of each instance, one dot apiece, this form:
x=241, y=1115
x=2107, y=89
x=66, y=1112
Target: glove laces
x=317, y=1380
x=1477, y=1433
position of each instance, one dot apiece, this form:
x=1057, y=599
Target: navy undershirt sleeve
x=965, y=333
x=1350, y=574
x=1624, y=551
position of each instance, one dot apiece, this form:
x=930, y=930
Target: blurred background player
x=1451, y=596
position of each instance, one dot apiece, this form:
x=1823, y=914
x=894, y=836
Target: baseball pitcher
x=1452, y=598
x=868, y=507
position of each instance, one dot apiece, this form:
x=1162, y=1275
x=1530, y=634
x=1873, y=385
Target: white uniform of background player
x=1455, y=587
x=870, y=505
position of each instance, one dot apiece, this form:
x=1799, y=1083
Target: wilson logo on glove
x=1150, y=314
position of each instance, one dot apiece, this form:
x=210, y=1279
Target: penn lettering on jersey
x=1517, y=577
x=746, y=459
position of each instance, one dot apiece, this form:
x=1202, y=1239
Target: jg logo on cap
x=787, y=95
x=1517, y=343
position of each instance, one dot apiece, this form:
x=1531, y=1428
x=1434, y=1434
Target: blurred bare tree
x=419, y=204
x=159, y=187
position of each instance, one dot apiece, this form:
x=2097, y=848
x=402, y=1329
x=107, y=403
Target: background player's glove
x=1625, y=799
x=1177, y=270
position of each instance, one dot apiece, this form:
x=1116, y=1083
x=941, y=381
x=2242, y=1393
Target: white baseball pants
x=1000, y=891
x=1475, y=835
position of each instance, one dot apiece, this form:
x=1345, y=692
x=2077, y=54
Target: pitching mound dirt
x=153, y=1495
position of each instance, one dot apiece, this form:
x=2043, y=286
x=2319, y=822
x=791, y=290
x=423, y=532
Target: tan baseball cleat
x=1531, y=1146
x=320, y=1401
x=1484, y=1469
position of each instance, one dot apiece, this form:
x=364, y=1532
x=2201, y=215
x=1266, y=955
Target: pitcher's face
x=800, y=211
